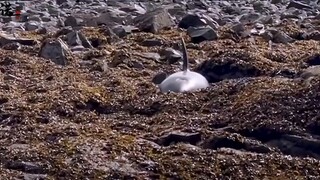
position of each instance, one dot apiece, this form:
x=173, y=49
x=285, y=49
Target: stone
x=159, y=77
x=200, y=34
x=153, y=56
x=84, y=41
x=7, y=39
x=171, y=55
x=191, y=20
x=72, y=21
x=73, y=38
x=55, y=50
x=154, y=21
x=179, y=137
x=298, y=5
x=28, y=167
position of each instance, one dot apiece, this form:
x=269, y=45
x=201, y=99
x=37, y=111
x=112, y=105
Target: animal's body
x=184, y=80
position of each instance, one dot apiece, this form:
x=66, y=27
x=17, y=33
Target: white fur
x=183, y=81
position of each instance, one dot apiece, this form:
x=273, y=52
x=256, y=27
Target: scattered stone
x=73, y=38
x=158, y=78
x=179, y=137
x=7, y=39
x=201, y=34
x=153, y=21
x=27, y=167
x=55, y=50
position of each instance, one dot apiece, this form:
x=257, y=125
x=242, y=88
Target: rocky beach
x=79, y=95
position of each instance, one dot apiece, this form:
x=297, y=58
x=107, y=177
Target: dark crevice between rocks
x=294, y=145
x=94, y=105
x=262, y=134
x=217, y=142
x=148, y=111
x=26, y=167
x=215, y=72
x=179, y=137
x=314, y=60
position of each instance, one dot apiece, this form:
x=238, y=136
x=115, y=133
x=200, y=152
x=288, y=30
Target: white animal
x=184, y=80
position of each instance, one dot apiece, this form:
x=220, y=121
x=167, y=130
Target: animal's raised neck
x=185, y=60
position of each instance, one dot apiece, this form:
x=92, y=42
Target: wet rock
x=310, y=72
x=72, y=21
x=31, y=25
x=55, y=50
x=153, y=21
x=238, y=28
x=179, y=137
x=73, y=38
x=249, y=17
x=7, y=39
x=191, y=20
x=84, y=41
x=313, y=35
x=258, y=29
x=313, y=60
x=153, y=56
x=158, y=78
x=298, y=5
x=200, y=34
x=277, y=36
x=171, y=55
x=27, y=167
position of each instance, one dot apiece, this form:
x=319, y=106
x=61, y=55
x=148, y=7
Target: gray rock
x=249, y=17
x=84, y=41
x=171, y=55
x=137, y=65
x=197, y=20
x=153, y=56
x=200, y=34
x=282, y=37
x=72, y=21
x=313, y=35
x=55, y=50
x=78, y=48
x=32, y=25
x=298, y=5
x=153, y=21
x=27, y=167
x=61, y=1
x=312, y=71
x=119, y=31
x=73, y=38
x=191, y=20
x=110, y=18
x=277, y=36
x=7, y=39
x=34, y=176
x=158, y=78
x=238, y=28
x=179, y=137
